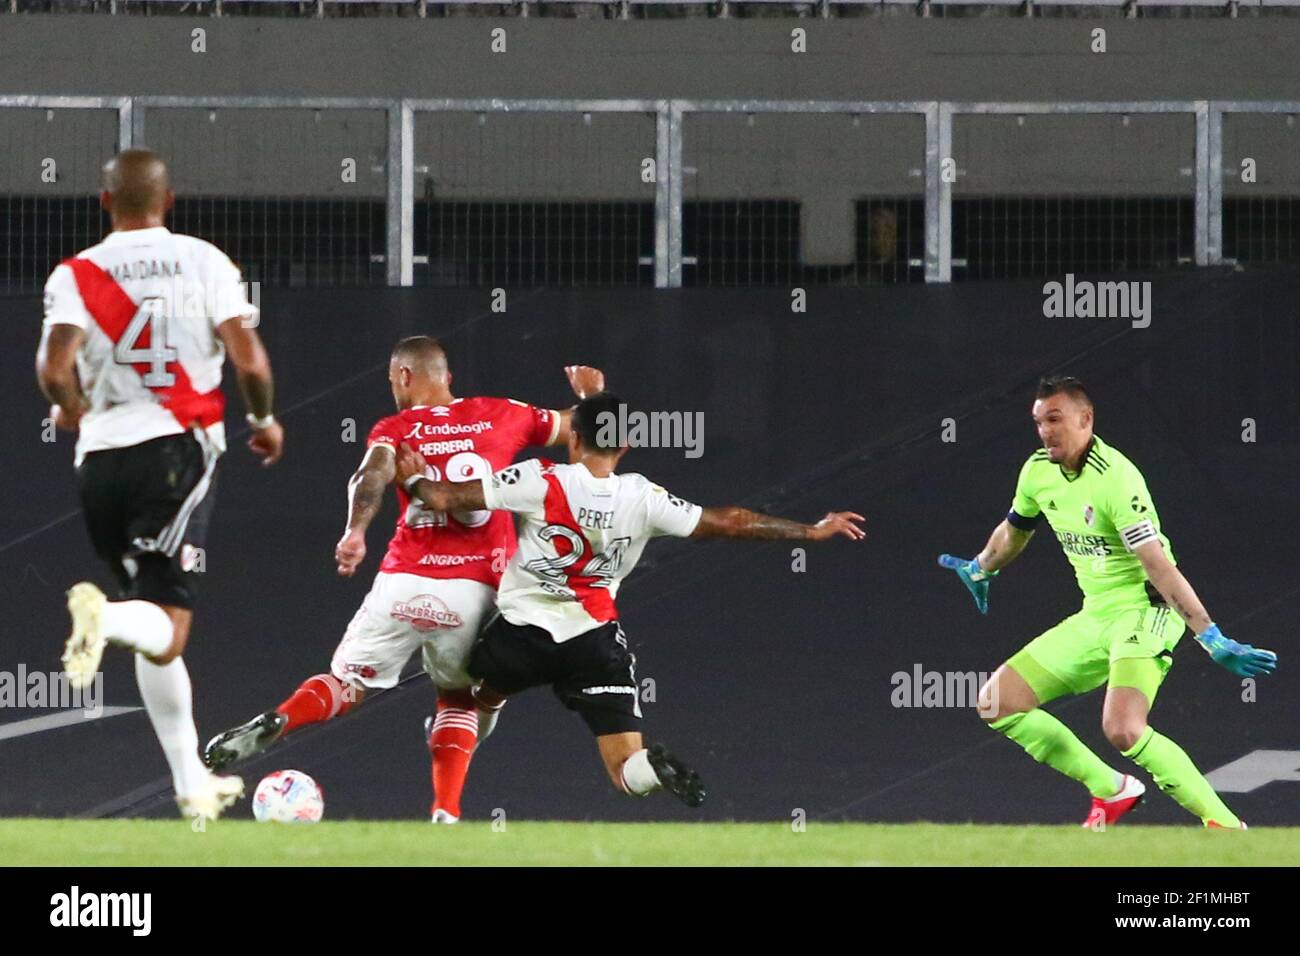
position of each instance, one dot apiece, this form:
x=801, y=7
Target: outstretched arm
x=1242, y=659
x=732, y=522
x=365, y=497
x=1173, y=587
x=448, y=495
x=1004, y=546
x=436, y=495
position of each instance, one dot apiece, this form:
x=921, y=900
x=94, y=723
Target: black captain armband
x=1017, y=520
x=1139, y=534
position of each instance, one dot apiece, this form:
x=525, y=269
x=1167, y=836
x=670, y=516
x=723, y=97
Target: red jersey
x=465, y=441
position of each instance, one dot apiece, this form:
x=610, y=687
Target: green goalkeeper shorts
x=1077, y=655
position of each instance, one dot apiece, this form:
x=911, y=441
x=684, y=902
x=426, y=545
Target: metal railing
x=937, y=168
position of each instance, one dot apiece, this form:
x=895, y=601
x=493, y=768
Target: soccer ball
x=288, y=796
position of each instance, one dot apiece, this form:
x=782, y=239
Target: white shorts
x=404, y=613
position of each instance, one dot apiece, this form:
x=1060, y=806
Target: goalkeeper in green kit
x=1136, y=604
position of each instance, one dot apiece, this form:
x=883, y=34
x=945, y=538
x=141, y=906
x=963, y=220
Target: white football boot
x=215, y=796
x=442, y=816
x=85, y=648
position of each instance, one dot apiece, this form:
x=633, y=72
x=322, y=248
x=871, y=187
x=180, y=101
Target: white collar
x=135, y=235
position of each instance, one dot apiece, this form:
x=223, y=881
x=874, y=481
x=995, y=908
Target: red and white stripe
x=457, y=718
x=596, y=601
x=112, y=309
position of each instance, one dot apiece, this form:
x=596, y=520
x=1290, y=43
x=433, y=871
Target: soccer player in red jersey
x=437, y=584
x=584, y=526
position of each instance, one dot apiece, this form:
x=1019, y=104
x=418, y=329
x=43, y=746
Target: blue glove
x=973, y=576
x=1242, y=659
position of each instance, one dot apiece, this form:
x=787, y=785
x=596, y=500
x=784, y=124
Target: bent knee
x=991, y=705
x=1124, y=736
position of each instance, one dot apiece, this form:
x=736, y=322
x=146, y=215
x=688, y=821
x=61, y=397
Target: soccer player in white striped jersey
x=583, y=528
x=136, y=331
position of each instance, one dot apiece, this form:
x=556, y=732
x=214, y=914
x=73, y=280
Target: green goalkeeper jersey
x=1100, y=516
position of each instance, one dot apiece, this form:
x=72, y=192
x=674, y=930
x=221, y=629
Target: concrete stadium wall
x=824, y=162
x=287, y=152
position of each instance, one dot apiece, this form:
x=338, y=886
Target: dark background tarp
x=775, y=684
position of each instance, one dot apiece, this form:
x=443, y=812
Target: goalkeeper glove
x=1242, y=659
x=973, y=576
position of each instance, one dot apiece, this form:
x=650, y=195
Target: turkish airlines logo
x=424, y=612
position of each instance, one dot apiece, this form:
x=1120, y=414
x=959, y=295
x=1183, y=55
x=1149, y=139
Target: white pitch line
x=64, y=718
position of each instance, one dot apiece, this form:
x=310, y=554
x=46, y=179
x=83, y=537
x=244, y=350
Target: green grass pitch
x=35, y=842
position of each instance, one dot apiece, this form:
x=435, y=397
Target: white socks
x=639, y=777
x=139, y=625
x=167, y=698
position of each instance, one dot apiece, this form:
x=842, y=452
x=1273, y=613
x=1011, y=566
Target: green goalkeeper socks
x=1051, y=742
x=1176, y=775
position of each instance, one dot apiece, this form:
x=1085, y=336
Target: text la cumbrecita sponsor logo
x=424, y=612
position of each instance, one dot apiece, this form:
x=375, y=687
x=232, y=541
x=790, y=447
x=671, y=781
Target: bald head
x=136, y=185
x=419, y=373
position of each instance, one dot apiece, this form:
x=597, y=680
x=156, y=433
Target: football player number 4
x=152, y=315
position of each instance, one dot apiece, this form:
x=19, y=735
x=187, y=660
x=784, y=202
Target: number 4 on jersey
x=605, y=565
x=144, y=342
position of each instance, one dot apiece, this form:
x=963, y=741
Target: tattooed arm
x=734, y=522
x=365, y=497
x=1173, y=587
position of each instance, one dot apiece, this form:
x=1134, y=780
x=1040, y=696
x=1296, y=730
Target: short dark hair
x=586, y=422
x=1050, y=385
x=422, y=350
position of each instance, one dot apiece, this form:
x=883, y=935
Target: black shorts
x=593, y=673
x=147, y=510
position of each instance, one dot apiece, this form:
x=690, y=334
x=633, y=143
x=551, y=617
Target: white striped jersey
x=579, y=537
x=149, y=301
